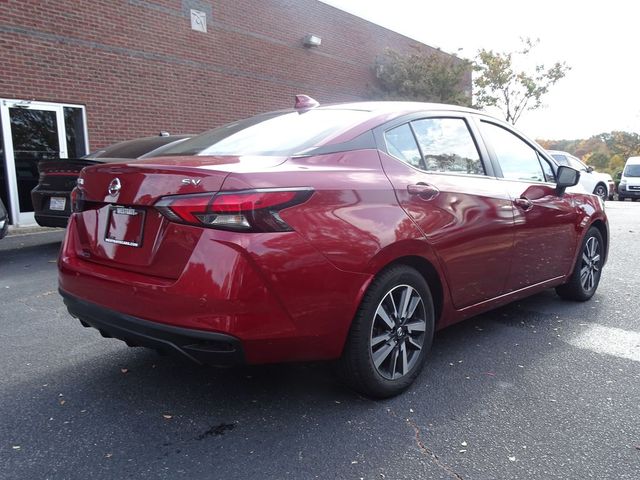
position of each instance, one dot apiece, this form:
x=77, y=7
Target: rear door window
x=447, y=146
x=402, y=144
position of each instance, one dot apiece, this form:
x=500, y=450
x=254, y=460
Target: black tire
x=585, y=277
x=634, y=199
x=369, y=363
x=621, y=198
x=601, y=191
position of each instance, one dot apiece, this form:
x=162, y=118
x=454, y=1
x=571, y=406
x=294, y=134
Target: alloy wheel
x=398, y=332
x=590, y=267
x=601, y=192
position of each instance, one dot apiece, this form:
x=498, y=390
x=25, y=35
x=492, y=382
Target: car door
x=447, y=187
x=544, y=221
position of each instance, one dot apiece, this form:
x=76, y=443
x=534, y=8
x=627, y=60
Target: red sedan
x=347, y=232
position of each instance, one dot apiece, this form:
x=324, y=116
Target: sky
x=600, y=41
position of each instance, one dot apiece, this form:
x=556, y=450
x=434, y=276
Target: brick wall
x=139, y=68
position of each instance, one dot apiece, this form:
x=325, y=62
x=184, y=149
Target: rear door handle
x=524, y=203
x=423, y=190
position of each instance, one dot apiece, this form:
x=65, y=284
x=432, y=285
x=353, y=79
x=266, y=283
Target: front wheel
x=585, y=277
x=391, y=334
x=601, y=191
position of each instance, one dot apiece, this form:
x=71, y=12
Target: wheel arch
x=601, y=183
x=602, y=228
x=418, y=255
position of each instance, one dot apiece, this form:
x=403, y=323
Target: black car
x=4, y=220
x=51, y=197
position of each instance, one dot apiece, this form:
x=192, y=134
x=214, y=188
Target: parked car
x=57, y=178
x=592, y=181
x=347, y=232
x=630, y=180
x=4, y=220
x=611, y=185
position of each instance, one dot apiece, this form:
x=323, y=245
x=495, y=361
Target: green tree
x=625, y=144
x=499, y=83
x=616, y=163
x=598, y=160
x=422, y=76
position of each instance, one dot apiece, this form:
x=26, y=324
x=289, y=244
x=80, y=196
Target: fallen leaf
x=124, y=370
x=62, y=402
x=411, y=410
x=461, y=451
x=16, y=447
x=108, y=455
x=464, y=444
x=167, y=416
x=512, y=459
x=491, y=374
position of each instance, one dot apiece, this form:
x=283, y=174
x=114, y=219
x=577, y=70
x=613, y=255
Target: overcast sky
x=599, y=40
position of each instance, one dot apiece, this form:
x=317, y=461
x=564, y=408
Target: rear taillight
x=246, y=210
x=77, y=200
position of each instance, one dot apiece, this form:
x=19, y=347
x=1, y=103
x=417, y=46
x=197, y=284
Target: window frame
x=485, y=160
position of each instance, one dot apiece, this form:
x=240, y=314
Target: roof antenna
x=305, y=102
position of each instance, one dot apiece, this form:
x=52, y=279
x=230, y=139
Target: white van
x=630, y=180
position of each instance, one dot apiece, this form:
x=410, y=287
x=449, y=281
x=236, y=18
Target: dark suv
x=51, y=197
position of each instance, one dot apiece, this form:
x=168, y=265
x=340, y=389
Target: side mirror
x=567, y=177
x=589, y=169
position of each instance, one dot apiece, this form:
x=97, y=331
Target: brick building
x=78, y=73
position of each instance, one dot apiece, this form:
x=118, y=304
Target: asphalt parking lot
x=539, y=389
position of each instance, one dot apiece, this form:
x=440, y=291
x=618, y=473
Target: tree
x=598, y=160
x=625, y=144
x=422, y=76
x=500, y=84
x=616, y=163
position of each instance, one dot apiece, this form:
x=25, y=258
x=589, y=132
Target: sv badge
x=191, y=181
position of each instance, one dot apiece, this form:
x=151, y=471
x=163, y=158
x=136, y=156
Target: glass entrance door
x=31, y=132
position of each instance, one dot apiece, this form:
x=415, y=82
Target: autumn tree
x=421, y=75
x=625, y=144
x=500, y=83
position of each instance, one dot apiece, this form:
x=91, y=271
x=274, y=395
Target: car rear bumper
x=43, y=215
x=199, y=346
x=59, y=221
x=286, y=304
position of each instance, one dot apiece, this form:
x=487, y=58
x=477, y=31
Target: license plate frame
x=57, y=204
x=125, y=226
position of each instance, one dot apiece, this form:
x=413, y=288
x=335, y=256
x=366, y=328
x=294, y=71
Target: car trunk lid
x=118, y=225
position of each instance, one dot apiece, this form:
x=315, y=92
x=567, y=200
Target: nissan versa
x=347, y=232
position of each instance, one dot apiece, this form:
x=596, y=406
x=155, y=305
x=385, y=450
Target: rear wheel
x=585, y=278
x=601, y=191
x=390, y=335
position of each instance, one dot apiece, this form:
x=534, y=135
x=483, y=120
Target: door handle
x=524, y=203
x=423, y=190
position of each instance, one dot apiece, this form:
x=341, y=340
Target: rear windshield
x=134, y=148
x=276, y=133
x=632, y=171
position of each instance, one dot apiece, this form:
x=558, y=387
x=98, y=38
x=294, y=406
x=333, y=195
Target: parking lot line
x=609, y=340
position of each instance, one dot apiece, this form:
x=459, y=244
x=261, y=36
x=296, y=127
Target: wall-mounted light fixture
x=311, y=40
